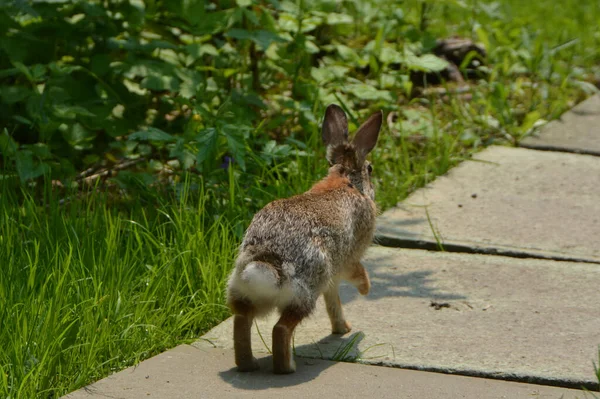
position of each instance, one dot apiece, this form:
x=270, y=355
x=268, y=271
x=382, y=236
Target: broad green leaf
x=151, y=134
x=100, y=64
x=367, y=92
x=335, y=19
x=14, y=94
x=77, y=136
x=197, y=50
x=8, y=146
x=29, y=168
x=185, y=157
x=70, y=111
x=389, y=55
x=251, y=16
x=328, y=73
x=40, y=150
x=194, y=11
x=237, y=148
x=416, y=121
x=207, y=145
x=289, y=23
x=160, y=83
x=262, y=38
x=348, y=54
x=425, y=63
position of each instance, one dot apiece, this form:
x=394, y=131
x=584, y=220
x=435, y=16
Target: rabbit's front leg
x=357, y=275
x=339, y=325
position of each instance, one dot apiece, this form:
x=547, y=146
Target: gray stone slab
x=187, y=372
x=525, y=320
x=577, y=130
x=510, y=201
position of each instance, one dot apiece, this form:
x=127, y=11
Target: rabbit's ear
x=366, y=136
x=335, y=126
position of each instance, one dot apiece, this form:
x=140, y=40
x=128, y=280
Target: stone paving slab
x=188, y=372
x=526, y=320
x=577, y=130
x=510, y=201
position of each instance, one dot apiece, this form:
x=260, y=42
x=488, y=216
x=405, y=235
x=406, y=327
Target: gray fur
x=312, y=239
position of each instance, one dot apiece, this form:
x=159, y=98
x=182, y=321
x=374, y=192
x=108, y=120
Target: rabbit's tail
x=262, y=277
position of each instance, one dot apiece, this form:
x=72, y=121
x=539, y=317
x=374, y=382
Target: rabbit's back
x=307, y=238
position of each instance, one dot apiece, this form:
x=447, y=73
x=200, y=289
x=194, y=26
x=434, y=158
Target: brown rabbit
x=298, y=248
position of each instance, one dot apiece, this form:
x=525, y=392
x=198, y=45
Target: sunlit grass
x=86, y=290
x=88, y=286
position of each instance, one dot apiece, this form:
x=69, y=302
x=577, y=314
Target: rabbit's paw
x=342, y=327
x=248, y=366
x=285, y=368
x=364, y=288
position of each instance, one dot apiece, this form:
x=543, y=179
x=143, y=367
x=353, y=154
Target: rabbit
x=298, y=248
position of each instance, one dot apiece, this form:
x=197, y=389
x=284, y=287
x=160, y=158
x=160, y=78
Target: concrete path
x=186, y=372
x=432, y=315
x=511, y=201
x=490, y=316
x=576, y=131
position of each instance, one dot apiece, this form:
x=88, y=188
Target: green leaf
x=388, y=55
x=207, y=144
x=262, y=38
x=185, y=157
x=425, y=63
x=40, y=150
x=197, y=50
x=335, y=19
x=237, y=149
x=530, y=120
x=194, y=11
x=100, y=64
x=483, y=37
x=8, y=146
x=27, y=167
x=349, y=55
x=14, y=94
x=367, y=92
x=151, y=134
x=77, y=136
x=70, y=111
x=272, y=151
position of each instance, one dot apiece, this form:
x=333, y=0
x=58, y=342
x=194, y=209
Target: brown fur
x=360, y=278
x=333, y=181
x=344, y=155
x=300, y=247
x=242, y=342
x=339, y=325
x=283, y=363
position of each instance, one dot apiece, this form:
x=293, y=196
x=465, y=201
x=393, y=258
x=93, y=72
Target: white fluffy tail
x=262, y=278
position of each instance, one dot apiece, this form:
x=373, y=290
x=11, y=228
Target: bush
x=86, y=85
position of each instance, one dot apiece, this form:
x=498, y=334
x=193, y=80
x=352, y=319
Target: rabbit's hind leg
x=242, y=342
x=339, y=325
x=283, y=358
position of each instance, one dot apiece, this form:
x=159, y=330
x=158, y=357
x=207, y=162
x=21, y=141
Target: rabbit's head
x=349, y=158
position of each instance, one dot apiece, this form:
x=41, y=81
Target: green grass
x=86, y=291
x=95, y=284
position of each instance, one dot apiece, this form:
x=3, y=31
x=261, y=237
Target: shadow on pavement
x=308, y=367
